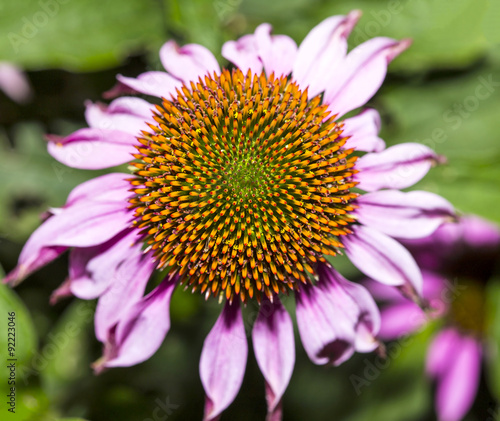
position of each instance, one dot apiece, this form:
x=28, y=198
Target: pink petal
x=33, y=259
x=324, y=333
x=140, y=332
x=62, y=291
x=415, y=214
x=154, y=83
x=274, y=349
x=112, y=187
x=433, y=287
x=397, y=167
x=276, y=52
x=273, y=53
x=362, y=73
x=443, y=347
x=437, y=288
x=93, y=149
x=458, y=385
x=84, y=224
x=93, y=269
x=363, y=132
x=335, y=317
x=124, y=290
x=400, y=320
x=478, y=232
x=368, y=319
x=243, y=53
x=322, y=52
x=382, y=292
x=382, y=258
x=188, y=62
x=223, y=361
x=126, y=114
x=14, y=83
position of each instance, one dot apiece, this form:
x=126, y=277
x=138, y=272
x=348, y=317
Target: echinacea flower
x=457, y=261
x=243, y=180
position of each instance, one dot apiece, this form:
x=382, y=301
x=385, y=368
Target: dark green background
x=73, y=54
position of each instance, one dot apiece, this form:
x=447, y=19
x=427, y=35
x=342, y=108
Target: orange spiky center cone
x=243, y=185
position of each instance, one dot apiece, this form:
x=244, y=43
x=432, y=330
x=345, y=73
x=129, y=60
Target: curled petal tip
x=398, y=48
x=63, y=291
x=381, y=350
x=99, y=366
x=15, y=277
x=52, y=138
x=405, y=43
x=440, y=160
x=353, y=18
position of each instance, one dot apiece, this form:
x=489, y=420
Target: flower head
x=243, y=180
x=457, y=261
x=243, y=186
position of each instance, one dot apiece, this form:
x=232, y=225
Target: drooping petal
x=322, y=51
x=154, y=83
x=432, y=290
x=141, y=330
x=188, y=62
x=14, y=83
x=382, y=258
x=326, y=336
x=335, y=317
x=367, y=323
x=92, y=270
x=126, y=114
x=401, y=319
x=223, y=361
x=457, y=387
x=274, y=349
x=362, y=73
x=478, y=232
x=415, y=214
x=397, y=167
x=261, y=50
x=93, y=149
x=363, y=131
x=62, y=291
x=440, y=351
x=126, y=289
x=82, y=224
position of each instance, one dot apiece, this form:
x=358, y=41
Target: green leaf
x=25, y=335
x=77, y=35
x=32, y=181
x=29, y=401
x=457, y=117
x=66, y=352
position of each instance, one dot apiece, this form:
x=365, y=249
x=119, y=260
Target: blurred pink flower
x=14, y=83
x=457, y=260
x=241, y=184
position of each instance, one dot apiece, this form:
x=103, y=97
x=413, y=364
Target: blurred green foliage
x=443, y=92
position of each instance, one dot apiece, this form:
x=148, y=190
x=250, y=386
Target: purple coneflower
x=457, y=261
x=242, y=181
